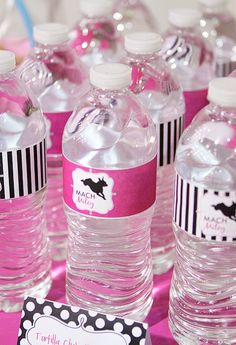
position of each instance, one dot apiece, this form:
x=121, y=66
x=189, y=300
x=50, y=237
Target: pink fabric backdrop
x=157, y=319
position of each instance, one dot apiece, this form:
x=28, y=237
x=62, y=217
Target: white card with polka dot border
x=45, y=322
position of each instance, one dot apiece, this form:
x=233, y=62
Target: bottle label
x=55, y=127
x=176, y=48
x=168, y=134
x=109, y=193
x=224, y=67
x=194, y=102
x=205, y=213
x=23, y=172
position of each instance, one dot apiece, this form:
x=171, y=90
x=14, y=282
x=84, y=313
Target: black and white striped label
x=175, y=48
x=169, y=134
x=23, y=172
x=205, y=213
x=224, y=67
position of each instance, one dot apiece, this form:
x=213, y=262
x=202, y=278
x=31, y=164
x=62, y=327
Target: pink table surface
x=157, y=318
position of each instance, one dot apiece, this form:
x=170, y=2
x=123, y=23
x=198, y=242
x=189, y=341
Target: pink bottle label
x=195, y=101
x=109, y=193
x=55, y=127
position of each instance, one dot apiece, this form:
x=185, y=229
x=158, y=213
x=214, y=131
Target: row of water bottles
x=109, y=155
x=102, y=24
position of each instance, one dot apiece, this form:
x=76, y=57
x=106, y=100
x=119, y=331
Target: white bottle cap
x=110, y=76
x=96, y=8
x=184, y=17
x=51, y=33
x=212, y=3
x=222, y=91
x=143, y=42
x=7, y=61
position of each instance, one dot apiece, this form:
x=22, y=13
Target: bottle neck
x=110, y=93
x=223, y=113
x=54, y=47
x=143, y=57
x=183, y=30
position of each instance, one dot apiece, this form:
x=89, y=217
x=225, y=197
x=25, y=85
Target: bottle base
x=13, y=302
x=182, y=337
x=163, y=259
x=138, y=314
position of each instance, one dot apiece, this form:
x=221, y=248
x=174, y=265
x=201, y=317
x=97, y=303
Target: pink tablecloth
x=157, y=319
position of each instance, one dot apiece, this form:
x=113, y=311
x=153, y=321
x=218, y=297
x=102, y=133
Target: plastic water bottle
x=109, y=149
x=202, y=298
x=219, y=27
x=161, y=94
x=55, y=75
x=133, y=16
x=190, y=56
x=94, y=36
x=24, y=252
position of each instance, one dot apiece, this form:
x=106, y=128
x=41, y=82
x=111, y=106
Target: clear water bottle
x=190, y=56
x=219, y=27
x=133, y=16
x=161, y=94
x=94, y=36
x=24, y=252
x=55, y=75
x=202, y=298
x=109, y=149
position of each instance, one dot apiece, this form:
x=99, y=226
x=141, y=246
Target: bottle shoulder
x=110, y=129
x=51, y=64
x=57, y=78
x=206, y=151
x=191, y=56
x=157, y=88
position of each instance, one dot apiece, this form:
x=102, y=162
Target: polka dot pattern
x=100, y=323
x=65, y=314
x=57, y=305
x=118, y=327
x=36, y=316
x=30, y=306
x=142, y=342
x=111, y=317
x=27, y=324
x=133, y=332
x=90, y=328
x=72, y=324
x=75, y=309
x=92, y=313
x=47, y=310
x=137, y=332
x=127, y=338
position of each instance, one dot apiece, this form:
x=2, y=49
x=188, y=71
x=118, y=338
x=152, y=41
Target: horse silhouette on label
x=228, y=211
x=96, y=187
